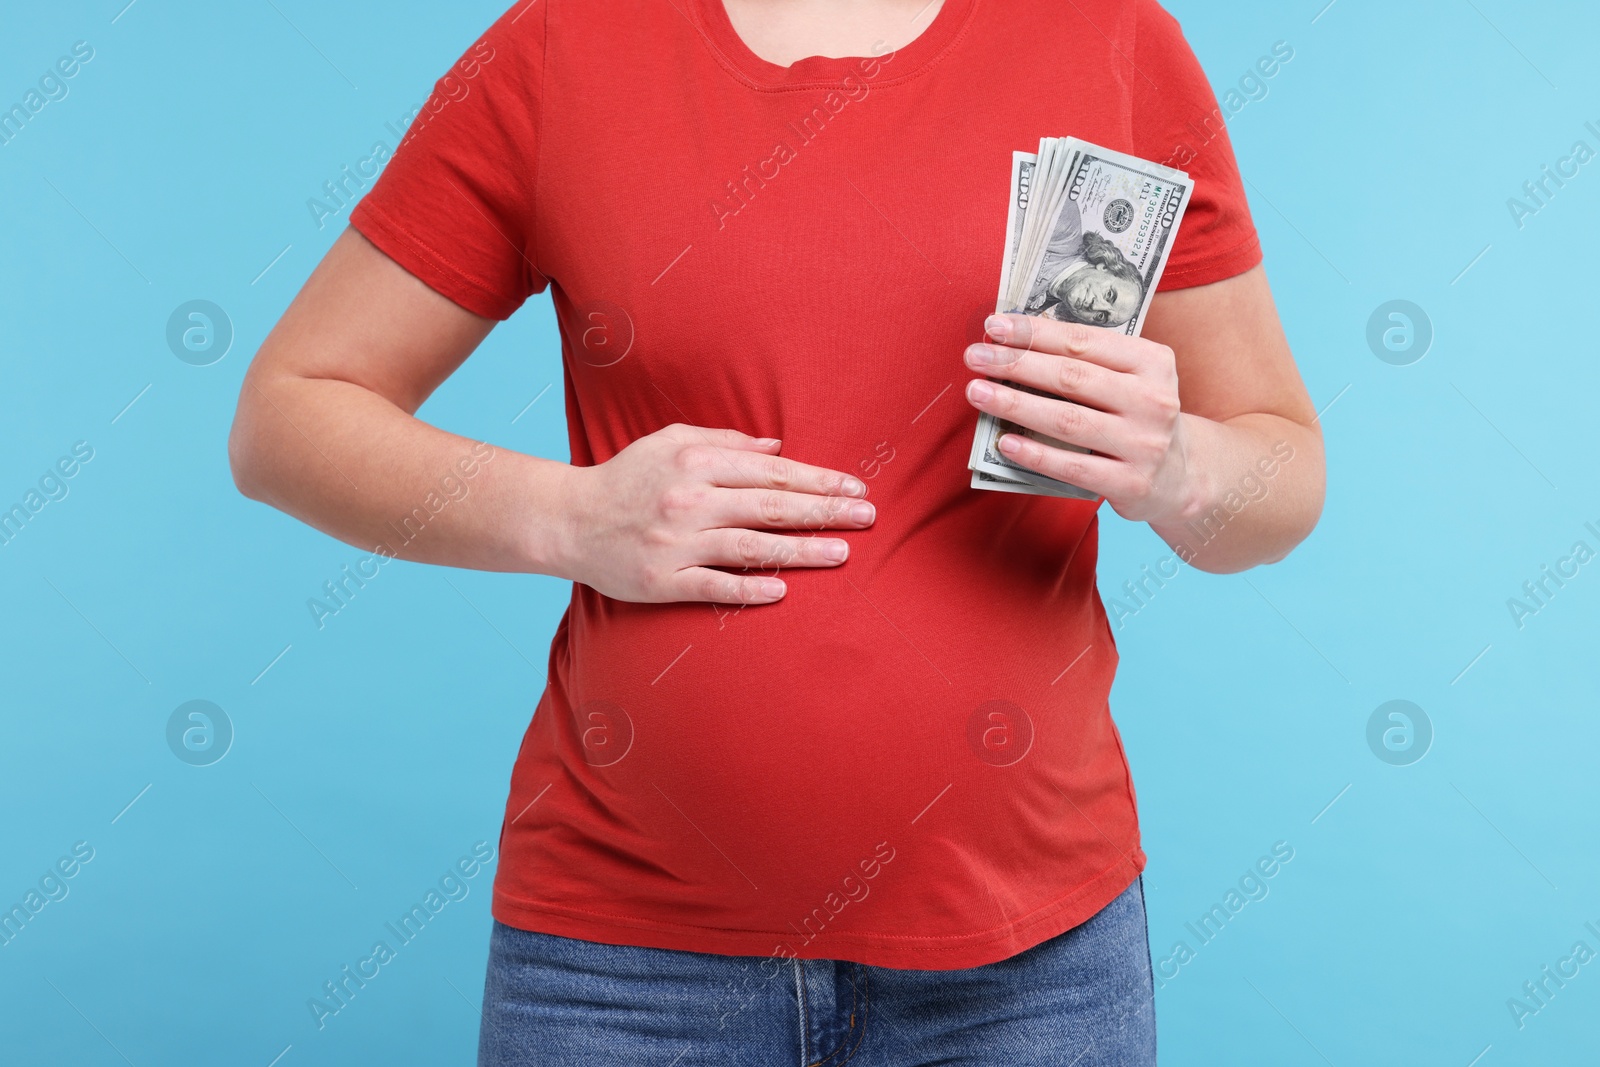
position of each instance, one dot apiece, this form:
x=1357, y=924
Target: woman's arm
x=325, y=431
x=324, y=428
x=1245, y=408
x=1201, y=427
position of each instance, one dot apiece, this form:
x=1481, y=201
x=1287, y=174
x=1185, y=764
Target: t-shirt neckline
x=827, y=71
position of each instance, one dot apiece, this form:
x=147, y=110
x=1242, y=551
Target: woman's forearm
x=1258, y=490
x=350, y=463
x=325, y=432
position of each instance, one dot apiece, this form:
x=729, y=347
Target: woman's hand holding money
x=1113, y=394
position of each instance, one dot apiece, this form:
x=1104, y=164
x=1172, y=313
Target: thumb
x=724, y=438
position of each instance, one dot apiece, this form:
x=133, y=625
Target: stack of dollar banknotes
x=1087, y=236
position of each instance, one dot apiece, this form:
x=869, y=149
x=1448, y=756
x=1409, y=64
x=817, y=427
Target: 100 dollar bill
x=1088, y=234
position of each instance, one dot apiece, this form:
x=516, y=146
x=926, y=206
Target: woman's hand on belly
x=650, y=524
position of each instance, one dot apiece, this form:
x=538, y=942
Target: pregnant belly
x=718, y=747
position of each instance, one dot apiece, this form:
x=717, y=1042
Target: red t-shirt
x=909, y=761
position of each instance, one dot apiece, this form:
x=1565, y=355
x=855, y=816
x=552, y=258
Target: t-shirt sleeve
x=1176, y=121
x=455, y=205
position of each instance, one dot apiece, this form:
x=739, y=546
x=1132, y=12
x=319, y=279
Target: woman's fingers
x=1061, y=419
x=759, y=551
x=1065, y=376
x=717, y=437
x=1096, y=344
x=720, y=587
x=1103, y=475
x=784, y=510
x=752, y=470
x=751, y=550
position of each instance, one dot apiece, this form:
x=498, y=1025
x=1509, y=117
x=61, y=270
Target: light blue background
x=374, y=753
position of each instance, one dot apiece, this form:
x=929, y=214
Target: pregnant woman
x=824, y=771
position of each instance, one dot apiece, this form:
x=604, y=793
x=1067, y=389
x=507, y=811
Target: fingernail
x=1009, y=444
x=768, y=442
x=997, y=326
x=980, y=392
x=983, y=355
x=837, y=551
x=863, y=513
x=771, y=587
x=853, y=487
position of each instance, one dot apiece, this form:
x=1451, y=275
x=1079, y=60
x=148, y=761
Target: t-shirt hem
x=899, y=951
x=430, y=267
x=1219, y=267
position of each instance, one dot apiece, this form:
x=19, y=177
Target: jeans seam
x=805, y=1027
x=866, y=1002
x=1144, y=912
x=863, y=997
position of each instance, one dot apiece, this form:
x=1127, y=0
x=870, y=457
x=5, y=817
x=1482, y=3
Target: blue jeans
x=1081, y=999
